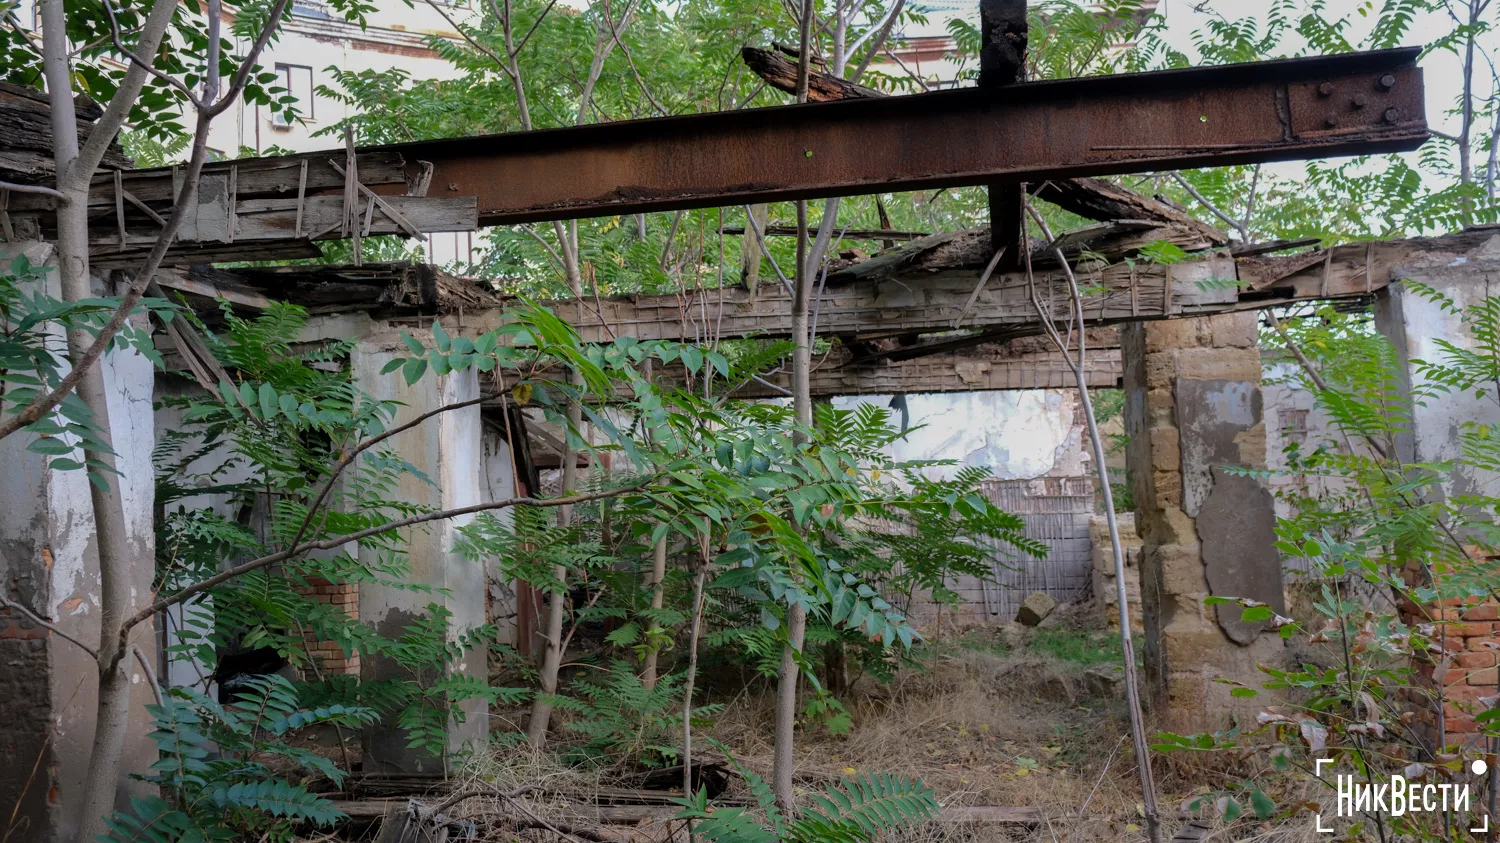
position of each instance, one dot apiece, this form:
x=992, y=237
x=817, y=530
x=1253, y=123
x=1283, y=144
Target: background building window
x=298, y=81
x=1294, y=425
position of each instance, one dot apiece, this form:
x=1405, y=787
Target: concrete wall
x=499, y=482
x=1415, y=324
x=448, y=450
x=49, y=562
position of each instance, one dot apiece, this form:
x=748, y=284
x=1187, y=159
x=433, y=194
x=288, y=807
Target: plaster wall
x=1017, y=434
x=49, y=562
x=448, y=450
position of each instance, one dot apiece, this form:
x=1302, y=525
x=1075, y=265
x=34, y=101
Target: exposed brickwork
x=345, y=598
x=1465, y=662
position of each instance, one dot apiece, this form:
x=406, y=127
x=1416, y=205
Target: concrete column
x=1193, y=407
x=1414, y=323
x=48, y=562
x=447, y=450
x=499, y=484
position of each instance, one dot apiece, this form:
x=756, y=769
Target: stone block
x=1106, y=681
x=1169, y=334
x=1481, y=659
x=1035, y=608
x=1166, y=452
x=1252, y=446
x=1469, y=693
x=1181, y=568
x=1161, y=403
x=1234, y=330
x=1162, y=369
x=1486, y=676
x=1483, y=612
x=1195, y=648
x=1227, y=364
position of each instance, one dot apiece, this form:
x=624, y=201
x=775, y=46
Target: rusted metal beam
x=1348, y=104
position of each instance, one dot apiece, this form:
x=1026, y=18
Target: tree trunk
x=790, y=671
x=658, y=591
x=541, y=707
x=111, y=540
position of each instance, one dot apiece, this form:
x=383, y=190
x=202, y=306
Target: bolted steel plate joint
x=1359, y=101
x=1387, y=82
x=1325, y=89
x=1330, y=122
x=1392, y=115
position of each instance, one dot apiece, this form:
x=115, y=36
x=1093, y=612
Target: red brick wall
x=1470, y=633
x=345, y=598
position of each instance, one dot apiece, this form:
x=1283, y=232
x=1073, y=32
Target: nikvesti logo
x=1400, y=796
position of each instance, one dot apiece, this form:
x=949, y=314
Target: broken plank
x=276, y=219
x=1097, y=199
x=182, y=282
x=781, y=73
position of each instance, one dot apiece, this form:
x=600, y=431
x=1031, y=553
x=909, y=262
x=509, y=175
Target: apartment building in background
x=314, y=40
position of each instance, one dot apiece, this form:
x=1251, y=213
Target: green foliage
x=619, y=717
x=221, y=767
x=241, y=476
x=1076, y=646
x=33, y=363
x=1419, y=532
x=854, y=810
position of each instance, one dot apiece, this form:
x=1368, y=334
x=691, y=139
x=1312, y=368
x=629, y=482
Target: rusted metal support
x=1002, y=62
x=1026, y=132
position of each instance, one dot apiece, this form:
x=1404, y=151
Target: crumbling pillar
x=1193, y=410
x=447, y=450
x=50, y=564
x=1415, y=322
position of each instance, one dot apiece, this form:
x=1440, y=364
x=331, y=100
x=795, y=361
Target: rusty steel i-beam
x=1357, y=103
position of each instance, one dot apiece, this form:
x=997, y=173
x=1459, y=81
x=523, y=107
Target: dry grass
x=980, y=724
x=980, y=728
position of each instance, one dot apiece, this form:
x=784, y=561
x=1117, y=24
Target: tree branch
x=339, y=541
x=105, y=338
x=46, y=624
x=33, y=188
x=1202, y=200
x=80, y=171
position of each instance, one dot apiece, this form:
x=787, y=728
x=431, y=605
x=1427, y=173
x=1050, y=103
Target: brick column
x=1471, y=639
x=1193, y=408
x=342, y=597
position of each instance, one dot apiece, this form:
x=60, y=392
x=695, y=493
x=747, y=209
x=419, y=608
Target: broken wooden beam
x=781, y=73
x=848, y=234
x=1096, y=199
x=926, y=300
x=1022, y=363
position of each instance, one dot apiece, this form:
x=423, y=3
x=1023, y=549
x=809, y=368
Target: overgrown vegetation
x=284, y=479
x=1397, y=551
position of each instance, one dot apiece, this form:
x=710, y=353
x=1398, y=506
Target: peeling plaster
x=1017, y=434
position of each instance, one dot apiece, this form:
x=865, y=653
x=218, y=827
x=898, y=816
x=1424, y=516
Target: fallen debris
x=1035, y=608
